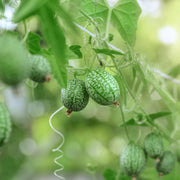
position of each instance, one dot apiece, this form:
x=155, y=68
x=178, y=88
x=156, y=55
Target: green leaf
x=133, y=73
x=32, y=43
x=88, y=6
x=76, y=50
x=159, y=115
x=125, y=17
x=27, y=8
x=56, y=41
x=107, y=52
x=139, y=118
x=110, y=174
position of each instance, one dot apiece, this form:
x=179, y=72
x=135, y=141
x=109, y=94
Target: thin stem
x=165, y=76
x=125, y=127
x=108, y=23
x=149, y=121
x=25, y=32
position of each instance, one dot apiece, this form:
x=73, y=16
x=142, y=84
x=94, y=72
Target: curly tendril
x=56, y=172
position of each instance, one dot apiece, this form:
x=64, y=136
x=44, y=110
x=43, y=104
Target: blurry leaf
x=175, y=71
x=125, y=17
x=134, y=73
x=139, y=118
x=76, y=50
x=90, y=39
x=159, y=115
x=56, y=41
x=27, y=8
x=1, y=6
x=32, y=43
x=63, y=15
x=110, y=174
x=107, y=52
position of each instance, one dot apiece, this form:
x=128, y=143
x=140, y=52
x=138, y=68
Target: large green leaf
x=63, y=15
x=1, y=6
x=27, y=8
x=56, y=41
x=124, y=16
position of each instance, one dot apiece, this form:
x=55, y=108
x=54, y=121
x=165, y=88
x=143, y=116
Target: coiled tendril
x=59, y=147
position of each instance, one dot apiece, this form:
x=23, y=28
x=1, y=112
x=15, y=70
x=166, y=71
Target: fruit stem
x=160, y=175
x=48, y=78
x=68, y=112
x=157, y=160
x=117, y=104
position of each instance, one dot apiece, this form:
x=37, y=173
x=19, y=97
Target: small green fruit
x=153, y=145
x=5, y=124
x=40, y=69
x=13, y=60
x=75, y=96
x=166, y=164
x=102, y=87
x=133, y=160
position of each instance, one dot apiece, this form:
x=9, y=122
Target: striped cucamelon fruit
x=5, y=124
x=102, y=87
x=133, y=160
x=40, y=69
x=13, y=60
x=75, y=96
x=166, y=163
x=153, y=145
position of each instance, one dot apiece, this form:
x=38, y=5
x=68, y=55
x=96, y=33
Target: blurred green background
x=93, y=137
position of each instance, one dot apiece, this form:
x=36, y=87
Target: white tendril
x=59, y=147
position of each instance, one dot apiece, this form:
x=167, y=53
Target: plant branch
x=165, y=76
x=108, y=23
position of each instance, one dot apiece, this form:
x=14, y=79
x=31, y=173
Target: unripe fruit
x=5, y=124
x=102, y=87
x=13, y=60
x=40, y=69
x=75, y=96
x=166, y=164
x=133, y=160
x=153, y=145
